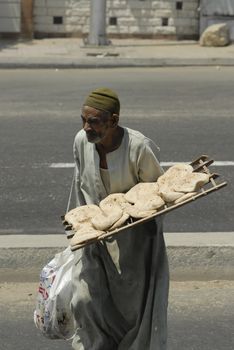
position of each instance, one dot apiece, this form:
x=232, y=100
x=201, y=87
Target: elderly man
x=120, y=285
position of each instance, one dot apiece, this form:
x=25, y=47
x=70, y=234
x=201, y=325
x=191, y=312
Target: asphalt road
x=200, y=317
x=186, y=111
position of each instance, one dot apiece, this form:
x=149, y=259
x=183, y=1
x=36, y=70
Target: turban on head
x=103, y=99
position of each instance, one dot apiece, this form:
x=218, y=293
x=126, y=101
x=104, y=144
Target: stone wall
x=61, y=17
x=155, y=18
x=125, y=18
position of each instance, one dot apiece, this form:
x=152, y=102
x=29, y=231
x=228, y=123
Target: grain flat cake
x=177, y=184
x=86, y=233
x=145, y=199
x=104, y=220
x=180, y=180
x=80, y=219
x=79, y=216
x=113, y=202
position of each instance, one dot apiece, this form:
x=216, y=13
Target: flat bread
x=82, y=215
x=173, y=175
x=85, y=234
x=141, y=189
x=176, y=185
x=178, y=180
x=149, y=203
x=104, y=220
x=191, y=182
x=145, y=199
x=169, y=195
x=145, y=207
x=178, y=169
x=113, y=203
x=120, y=222
x=140, y=214
x=114, y=200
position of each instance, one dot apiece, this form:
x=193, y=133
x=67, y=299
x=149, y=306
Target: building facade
x=172, y=19
x=16, y=18
x=124, y=18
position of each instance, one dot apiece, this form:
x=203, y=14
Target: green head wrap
x=103, y=99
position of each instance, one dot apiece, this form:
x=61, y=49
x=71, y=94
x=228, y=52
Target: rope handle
x=71, y=190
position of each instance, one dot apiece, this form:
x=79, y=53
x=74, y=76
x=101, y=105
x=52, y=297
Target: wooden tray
x=200, y=164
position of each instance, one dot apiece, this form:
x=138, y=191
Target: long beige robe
x=120, y=285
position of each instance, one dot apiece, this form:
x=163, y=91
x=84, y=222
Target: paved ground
x=71, y=52
x=200, y=317
x=40, y=113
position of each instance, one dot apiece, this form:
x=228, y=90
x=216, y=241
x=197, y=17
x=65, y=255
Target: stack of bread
x=177, y=184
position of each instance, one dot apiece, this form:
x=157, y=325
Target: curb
x=192, y=256
x=65, y=63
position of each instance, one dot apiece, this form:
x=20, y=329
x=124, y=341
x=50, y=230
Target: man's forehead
x=90, y=111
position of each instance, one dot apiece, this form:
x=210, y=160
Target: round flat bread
x=80, y=215
x=146, y=200
x=146, y=203
x=120, y=222
x=85, y=234
x=191, y=182
x=170, y=196
x=141, y=189
x=114, y=200
x=179, y=168
x=174, y=173
x=104, y=220
x=180, y=179
x=138, y=213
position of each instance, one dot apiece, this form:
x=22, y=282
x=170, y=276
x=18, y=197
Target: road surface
x=200, y=317
x=186, y=111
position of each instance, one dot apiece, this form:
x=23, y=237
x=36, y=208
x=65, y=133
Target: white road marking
x=222, y=163
x=216, y=163
x=61, y=165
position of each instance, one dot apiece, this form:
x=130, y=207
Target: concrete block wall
x=10, y=16
x=60, y=17
x=125, y=18
x=149, y=18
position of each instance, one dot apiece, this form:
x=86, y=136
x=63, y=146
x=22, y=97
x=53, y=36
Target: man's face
x=95, y=124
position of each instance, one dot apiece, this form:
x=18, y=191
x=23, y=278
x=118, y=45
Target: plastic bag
x=53, y=315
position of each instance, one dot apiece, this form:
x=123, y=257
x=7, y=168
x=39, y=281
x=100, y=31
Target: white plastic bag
x=53, y=314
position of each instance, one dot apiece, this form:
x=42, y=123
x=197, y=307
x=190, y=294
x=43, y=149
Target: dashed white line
x=216, y=163
x=61, y=165
x=222, y=163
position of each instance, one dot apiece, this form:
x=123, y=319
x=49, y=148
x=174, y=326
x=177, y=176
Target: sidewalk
x=192, y=255
x=71, y=53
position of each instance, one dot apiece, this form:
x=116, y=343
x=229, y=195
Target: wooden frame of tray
x=200, y=165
